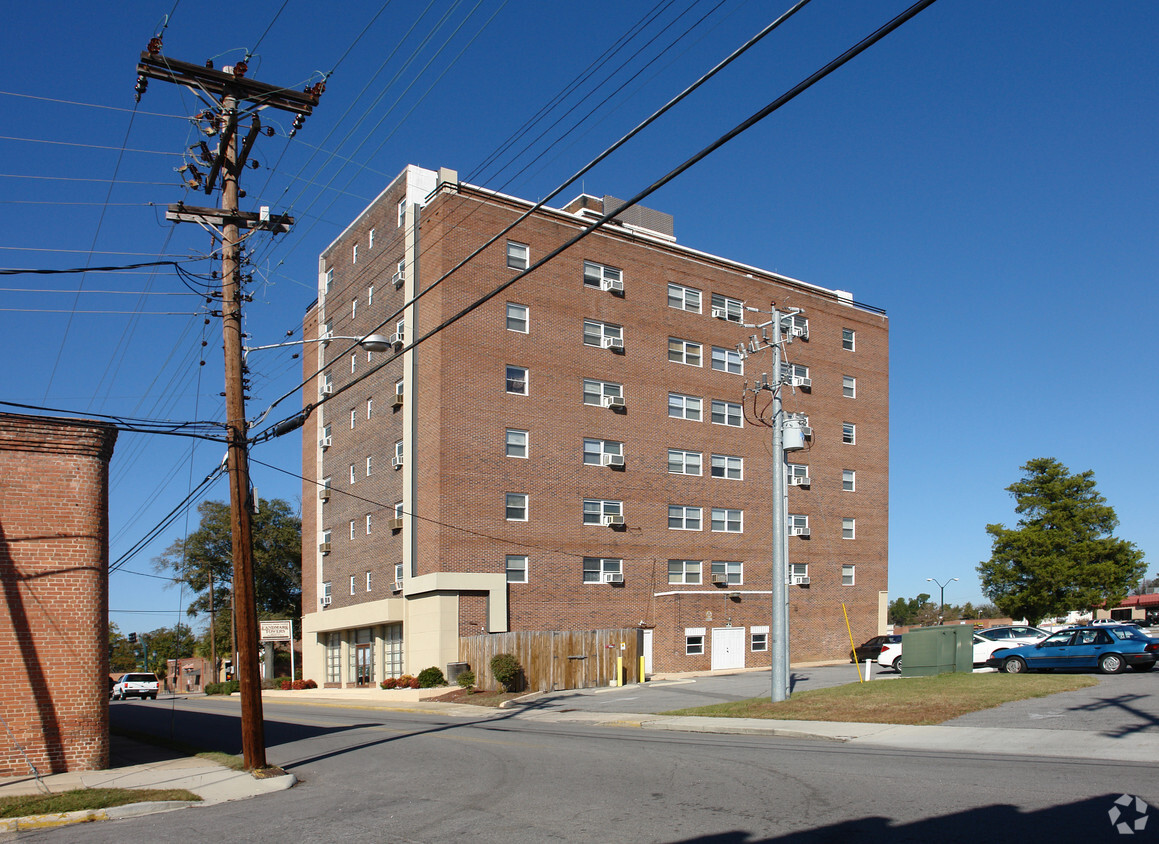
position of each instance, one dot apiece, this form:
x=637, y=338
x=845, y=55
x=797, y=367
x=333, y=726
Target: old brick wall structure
x=54, y=612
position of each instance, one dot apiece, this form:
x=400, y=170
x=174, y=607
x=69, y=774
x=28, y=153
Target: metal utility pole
x=779, y=623
x=223, y=91
x=942, y=596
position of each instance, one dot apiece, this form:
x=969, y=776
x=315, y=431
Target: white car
x=136, y=685
x=890, y=656
x=993, y=639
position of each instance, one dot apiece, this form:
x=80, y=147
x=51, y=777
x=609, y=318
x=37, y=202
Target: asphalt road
x=408, y=777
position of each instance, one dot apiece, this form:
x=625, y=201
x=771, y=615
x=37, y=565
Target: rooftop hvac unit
x=719, y=313
x=613, y=577
x=613, y=401
x=395, y=524
x=324, y=547
x=324, y=442
x=324, y=494
x=396, y=462
x=325, y=600
x=398, y=586
x=612, y=459
x=800, y=580
x=798, y=531
x=612, y=520
x=398, y=278
x=612, y=343
x=720, y=579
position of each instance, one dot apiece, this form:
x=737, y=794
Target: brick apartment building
x=54, y=556
x=579, y=451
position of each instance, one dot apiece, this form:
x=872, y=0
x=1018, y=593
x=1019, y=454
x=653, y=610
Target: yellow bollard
x=619, y=670
x=852, y=646
x=642, y=677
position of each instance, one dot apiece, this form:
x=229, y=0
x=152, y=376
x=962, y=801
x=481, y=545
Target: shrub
x=505, y=668
x=298, y=685
x=275, y=683
x=389, y=683
x=466, y=680
x=414, y=683
x=404, y=681
x=310, y=684
x=431, y=677
x=287, y=685
x=229, y=687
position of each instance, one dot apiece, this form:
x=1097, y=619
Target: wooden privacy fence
x=554, y=660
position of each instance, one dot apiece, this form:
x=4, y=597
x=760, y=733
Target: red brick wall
x=54, y=572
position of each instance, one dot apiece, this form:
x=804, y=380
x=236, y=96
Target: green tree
x=1061, y=556
x=277, y=540
x=122, y=654
x=907, y=612
x=166, y=643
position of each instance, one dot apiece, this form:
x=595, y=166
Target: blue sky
x=987, y=174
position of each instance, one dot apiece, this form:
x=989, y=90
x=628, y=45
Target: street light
x=941, y=596
x=371, y=342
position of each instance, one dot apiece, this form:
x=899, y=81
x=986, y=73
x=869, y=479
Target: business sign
x=276, y=631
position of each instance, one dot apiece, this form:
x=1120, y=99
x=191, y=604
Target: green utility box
x=937, y=650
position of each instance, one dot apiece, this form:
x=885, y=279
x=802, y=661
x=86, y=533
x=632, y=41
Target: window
x=726, y=413
x=760, y=638
x=797, y=570
x=725, y=520
x=398, y=572
x=849, y=528
x=369, y=408
x=400, y=387
x=398, y=453
x=685, y=572
x=694, y=641
x=796, y=325
x=352, y=475
x=370, y=295
x=516, y=568
x=401, y=212
x=848, y=336
x=684, y=518
x=798, y=474
x=725, y=308
x=326, y=537
x=684, y=351
x=595, y=509
x=517, y=507
x=596, y=391
x=597, y=275
x=604, y=334
x=683, y=298
x=327, y=384
x=326, y=487
x=517, y=380
x=516, y=443
x=848, y=433
x=368, y=582
x=683, y=462
x=353, y=308
x=353, y=418
x=727, y=360
x=369, y=530
x=596, y=567
x=333, y=647
x=848, y=575
x=351, y=584
x=849, y=386
x=354, y=254
x=727, y=466
x=329, y=282
x=326, y=438
x=732, y=572
x=352, y=528
x=398, y=511
x=796, y=375
x=848, y=480
x=517, y=318
x=369, y=466
x=798, y=525
x=684, y=407
x=353, y=363
x=328, y=330
x=518, y=255
x=370, y=239
x=400, y=276
x=594, y=450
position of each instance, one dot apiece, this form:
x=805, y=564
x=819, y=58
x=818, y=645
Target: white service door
x=727, y=647
x=647, y=652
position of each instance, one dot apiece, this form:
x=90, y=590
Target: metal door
x=727, y=647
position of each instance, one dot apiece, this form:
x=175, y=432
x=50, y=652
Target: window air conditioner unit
x=800, y=580
x=612, y=343
x=798, y=531
x=398, y=586
x=397, y=339
x=324, y=494
x=324, y=442
x=612, y=459
x=396, y=462
x=799, y=480
x=719, y=313
x=324, y=547
x=613, y=577
x=798, y=381
x=325, y=600
x=395, y=524
x=397, y=400
x=613, y=401
x=326, y=389
x=613, y=284
x=398, y=278
x=612, y=520
x=720, y=579
x=801, y=331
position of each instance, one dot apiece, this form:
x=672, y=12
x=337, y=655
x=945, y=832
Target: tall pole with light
x=941, y=596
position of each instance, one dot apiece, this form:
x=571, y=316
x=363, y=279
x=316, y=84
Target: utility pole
x=223, y=92
x=779, y=622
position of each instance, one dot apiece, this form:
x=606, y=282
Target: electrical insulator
x=154, y=45
x=299, y=119
x=142, y=84
x=240, y=68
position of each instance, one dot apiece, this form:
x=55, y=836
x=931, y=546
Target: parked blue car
x=1107, y=647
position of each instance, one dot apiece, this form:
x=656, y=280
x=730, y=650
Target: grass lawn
x=910, y=700
x=20, y=806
